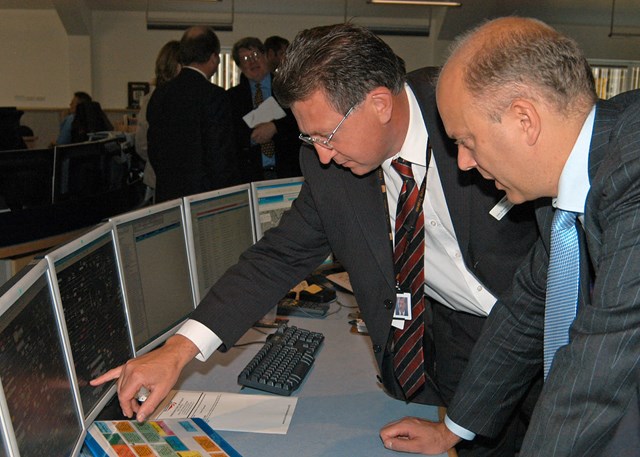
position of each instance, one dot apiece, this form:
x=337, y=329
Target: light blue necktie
x=563, y=278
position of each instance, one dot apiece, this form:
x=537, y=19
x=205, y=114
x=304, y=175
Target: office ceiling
x=565, y=12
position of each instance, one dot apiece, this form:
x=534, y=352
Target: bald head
x=513, y=57
x=514, y=95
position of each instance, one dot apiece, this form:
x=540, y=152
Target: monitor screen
x=271, y=199
x=85, y=169
x=152, y=247
x=37, y=385
x=219, y=229
x=25, y=179
x=88, y=291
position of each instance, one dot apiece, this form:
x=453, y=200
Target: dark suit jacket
x=190, y=137
x=595, y=378
x=249, y=157
x=340, y=212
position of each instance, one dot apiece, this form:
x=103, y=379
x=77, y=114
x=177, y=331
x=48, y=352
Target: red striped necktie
x=408, y=257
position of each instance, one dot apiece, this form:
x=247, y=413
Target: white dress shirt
x=447, y=278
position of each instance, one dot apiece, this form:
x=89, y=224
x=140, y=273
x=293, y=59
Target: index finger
x=110, y=375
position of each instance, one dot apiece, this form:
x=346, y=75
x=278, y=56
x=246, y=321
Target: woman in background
x=167, y=67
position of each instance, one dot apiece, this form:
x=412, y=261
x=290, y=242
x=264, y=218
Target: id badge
x=403, y=306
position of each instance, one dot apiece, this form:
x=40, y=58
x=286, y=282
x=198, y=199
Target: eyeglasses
x=325, y=142
x=255, y=55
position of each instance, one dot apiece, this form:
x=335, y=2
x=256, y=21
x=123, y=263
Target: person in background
x=190, y=134
x=269, y=150
x=360, y=112
x=275, y=47
x=167, y=67
x=519, y=99
x=64, y=136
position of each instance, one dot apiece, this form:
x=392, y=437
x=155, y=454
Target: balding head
x=512, y=57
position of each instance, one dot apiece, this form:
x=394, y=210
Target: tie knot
x=402, y=167
x=563, y=219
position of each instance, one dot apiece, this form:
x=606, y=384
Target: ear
x=382, y=102
x=528, y=119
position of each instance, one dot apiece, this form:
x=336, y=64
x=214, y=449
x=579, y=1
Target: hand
x=416, y=435
x=263, y=132
x=157, y=371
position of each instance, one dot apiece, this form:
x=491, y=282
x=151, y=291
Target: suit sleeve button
x=377, y=348
x=388, y=304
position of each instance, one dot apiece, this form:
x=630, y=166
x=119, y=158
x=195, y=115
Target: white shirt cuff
x=202, y=336
x=461, y=432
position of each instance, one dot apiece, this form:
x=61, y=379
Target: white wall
x=43, y=65
x=123, y=50
x=34, y=51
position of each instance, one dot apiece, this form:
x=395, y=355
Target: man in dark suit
x=349, y=93
x=268, y=150
x=190, y=136
x=519, y=99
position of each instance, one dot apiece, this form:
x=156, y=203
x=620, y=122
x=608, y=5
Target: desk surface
x=341, y=407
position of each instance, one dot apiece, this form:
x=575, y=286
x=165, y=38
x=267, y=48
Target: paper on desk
x=227, y=411
x=341, y=279
x=267, y=111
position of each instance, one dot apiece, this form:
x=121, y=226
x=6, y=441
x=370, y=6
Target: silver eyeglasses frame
x=325, y=142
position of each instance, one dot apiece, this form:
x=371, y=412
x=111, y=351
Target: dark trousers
x=449, y=338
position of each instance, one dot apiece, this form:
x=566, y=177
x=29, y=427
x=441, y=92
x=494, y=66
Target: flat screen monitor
x=88, y=291
x=26, y=178
x=271, y=199
x=152, y=247
x=85, y=169
x=219, y=229
x=38, y=404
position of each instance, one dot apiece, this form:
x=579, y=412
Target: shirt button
x=433, y=223
x=457, y=255
x=479, y=288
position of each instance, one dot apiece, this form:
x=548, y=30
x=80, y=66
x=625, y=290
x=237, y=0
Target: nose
x=325, y=154
x=465, y=159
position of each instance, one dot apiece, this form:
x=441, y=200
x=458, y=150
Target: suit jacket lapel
x=365, y=197
x=455, y=191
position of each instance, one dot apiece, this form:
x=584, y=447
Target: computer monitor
x=26, y=177
x=271, y=199
x=84, y=169
x=152, y=249
x=219, y=229
x=89, y=295
x=39, y=406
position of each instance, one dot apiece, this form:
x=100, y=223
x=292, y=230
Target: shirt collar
x=265, y=83
x=199, y=71
x=415, y=143
x=574, y=184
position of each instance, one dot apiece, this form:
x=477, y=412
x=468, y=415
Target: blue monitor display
x=271, y=199
x=152, y=246
x=38, y=387
x=89, y=295
x=220, y=228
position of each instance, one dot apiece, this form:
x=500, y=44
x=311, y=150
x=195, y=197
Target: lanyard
x=413, y=216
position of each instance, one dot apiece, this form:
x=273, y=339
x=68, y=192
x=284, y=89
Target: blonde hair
x=168, y=62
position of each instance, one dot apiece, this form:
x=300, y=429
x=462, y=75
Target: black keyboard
x=283, y=362
x=302, y=308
